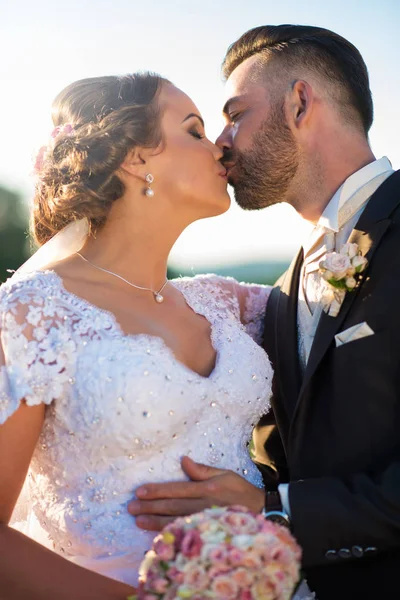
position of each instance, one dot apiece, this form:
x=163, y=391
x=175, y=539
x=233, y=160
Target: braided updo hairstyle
x=110, y=116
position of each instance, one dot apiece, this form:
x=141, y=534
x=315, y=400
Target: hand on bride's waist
x=158, y=504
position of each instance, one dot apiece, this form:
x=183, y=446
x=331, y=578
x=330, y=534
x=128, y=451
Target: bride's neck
x=135, y=249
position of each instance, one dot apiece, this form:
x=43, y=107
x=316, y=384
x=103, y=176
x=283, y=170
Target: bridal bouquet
x=227, y=553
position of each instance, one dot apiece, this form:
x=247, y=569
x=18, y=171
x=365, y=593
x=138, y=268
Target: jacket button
x=331, y=555
x=370, y=551
x=357, y=551
x=344, y=553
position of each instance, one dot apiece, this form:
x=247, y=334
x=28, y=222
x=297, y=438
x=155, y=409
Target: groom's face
x=260, y=151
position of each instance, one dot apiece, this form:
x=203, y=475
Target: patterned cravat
x=322, y=241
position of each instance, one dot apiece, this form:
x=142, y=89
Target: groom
x=298, y=113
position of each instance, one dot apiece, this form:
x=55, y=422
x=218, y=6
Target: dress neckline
x=116, y=329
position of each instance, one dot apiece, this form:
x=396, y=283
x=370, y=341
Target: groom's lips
x=229, y=168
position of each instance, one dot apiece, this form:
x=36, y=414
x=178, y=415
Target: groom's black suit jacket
x=334, y=432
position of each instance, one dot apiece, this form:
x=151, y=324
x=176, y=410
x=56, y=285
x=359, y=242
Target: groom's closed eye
x=234, y=117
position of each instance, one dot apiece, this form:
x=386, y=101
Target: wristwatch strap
x=274, y=511
x=273, y=501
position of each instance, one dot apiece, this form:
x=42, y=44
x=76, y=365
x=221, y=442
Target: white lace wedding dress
x=121, y=410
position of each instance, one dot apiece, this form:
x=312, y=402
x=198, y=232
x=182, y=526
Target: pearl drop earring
x=149, y=191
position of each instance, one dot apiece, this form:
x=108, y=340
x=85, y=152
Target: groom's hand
x=160, y=503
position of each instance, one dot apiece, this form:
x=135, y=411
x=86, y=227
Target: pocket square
x=353, y=333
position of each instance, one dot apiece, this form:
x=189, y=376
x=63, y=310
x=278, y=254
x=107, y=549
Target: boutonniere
x=340, y=271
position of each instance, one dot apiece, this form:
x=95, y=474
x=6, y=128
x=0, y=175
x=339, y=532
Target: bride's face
x=187, y=172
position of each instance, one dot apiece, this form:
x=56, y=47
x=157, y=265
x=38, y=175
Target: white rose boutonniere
x=340, y=270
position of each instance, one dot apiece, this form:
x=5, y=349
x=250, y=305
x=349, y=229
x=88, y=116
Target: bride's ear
x=134, y=163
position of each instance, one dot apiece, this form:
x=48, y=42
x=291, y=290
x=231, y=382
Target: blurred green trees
x=15, y=248
x=14, y=244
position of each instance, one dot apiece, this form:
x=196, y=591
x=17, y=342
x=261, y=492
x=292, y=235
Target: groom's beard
x=262, y=175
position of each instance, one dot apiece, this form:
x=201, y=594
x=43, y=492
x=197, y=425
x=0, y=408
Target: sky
x=45, y=45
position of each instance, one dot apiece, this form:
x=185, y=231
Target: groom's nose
x=224, y=140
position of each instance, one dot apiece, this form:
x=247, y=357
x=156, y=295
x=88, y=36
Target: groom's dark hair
x=320, y=50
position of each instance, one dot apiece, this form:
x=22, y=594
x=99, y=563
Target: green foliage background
x=15, y=247
x=14, y=241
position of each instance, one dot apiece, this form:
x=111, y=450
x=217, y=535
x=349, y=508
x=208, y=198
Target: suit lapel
x=328, y=326
x=286, y=335
x=368, y=234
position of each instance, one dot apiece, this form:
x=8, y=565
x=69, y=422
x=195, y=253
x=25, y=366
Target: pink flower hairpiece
x=40, y=159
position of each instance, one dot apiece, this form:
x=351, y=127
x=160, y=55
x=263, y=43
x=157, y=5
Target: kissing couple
x=110, y=373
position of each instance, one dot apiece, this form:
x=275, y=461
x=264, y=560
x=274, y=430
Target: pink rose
x=40, y=159
x=243, y=577
x=160, y=585
x=175, y=575
x=252, y=560
x=218, y=554
x=224, y=587
x=196, y=578
x=191, y=544
x=171, y=593
x=337, y=263
x=217, y=570
x=164, y=551
x=240, y=523
x=240, y=508
x=178, y=534
x=263, y=589
x=66, y=129
x=236, y=556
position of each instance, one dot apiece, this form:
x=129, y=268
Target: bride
x=110, y=372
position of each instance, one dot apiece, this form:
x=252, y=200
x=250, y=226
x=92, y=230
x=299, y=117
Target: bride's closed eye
x=196, y=134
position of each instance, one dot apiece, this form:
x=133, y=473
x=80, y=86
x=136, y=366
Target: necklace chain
x=157, y=294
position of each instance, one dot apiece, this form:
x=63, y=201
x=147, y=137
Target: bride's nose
x=217, y=152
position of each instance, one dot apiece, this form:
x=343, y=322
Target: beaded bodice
x=122, y=410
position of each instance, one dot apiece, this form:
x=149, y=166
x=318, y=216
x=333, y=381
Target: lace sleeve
x=35, y=350
x=245, y=301
x=253, y=303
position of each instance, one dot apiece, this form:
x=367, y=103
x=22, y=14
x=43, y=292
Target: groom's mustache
x=228, y=159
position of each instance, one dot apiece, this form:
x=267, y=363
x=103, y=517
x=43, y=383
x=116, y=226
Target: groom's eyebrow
x=190, y=115
x=228, y=104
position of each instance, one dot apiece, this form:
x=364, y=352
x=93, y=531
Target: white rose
x=351, y=272
x=333, y=307
x=327, y=275
x=338, y=264
x=351, y=283
x=349, y=249
x=359, y=263
x=242, y=541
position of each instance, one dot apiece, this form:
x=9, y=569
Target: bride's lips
x=223, y=174
x=228, y=167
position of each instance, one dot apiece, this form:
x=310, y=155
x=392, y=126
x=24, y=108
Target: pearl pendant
x=159, y=298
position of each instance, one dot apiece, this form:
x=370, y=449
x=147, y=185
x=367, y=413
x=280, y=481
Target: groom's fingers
x=173, y=508
x=153, y=522
x=176, y=489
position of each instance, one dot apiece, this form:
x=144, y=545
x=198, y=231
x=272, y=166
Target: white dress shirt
x=309, y=311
